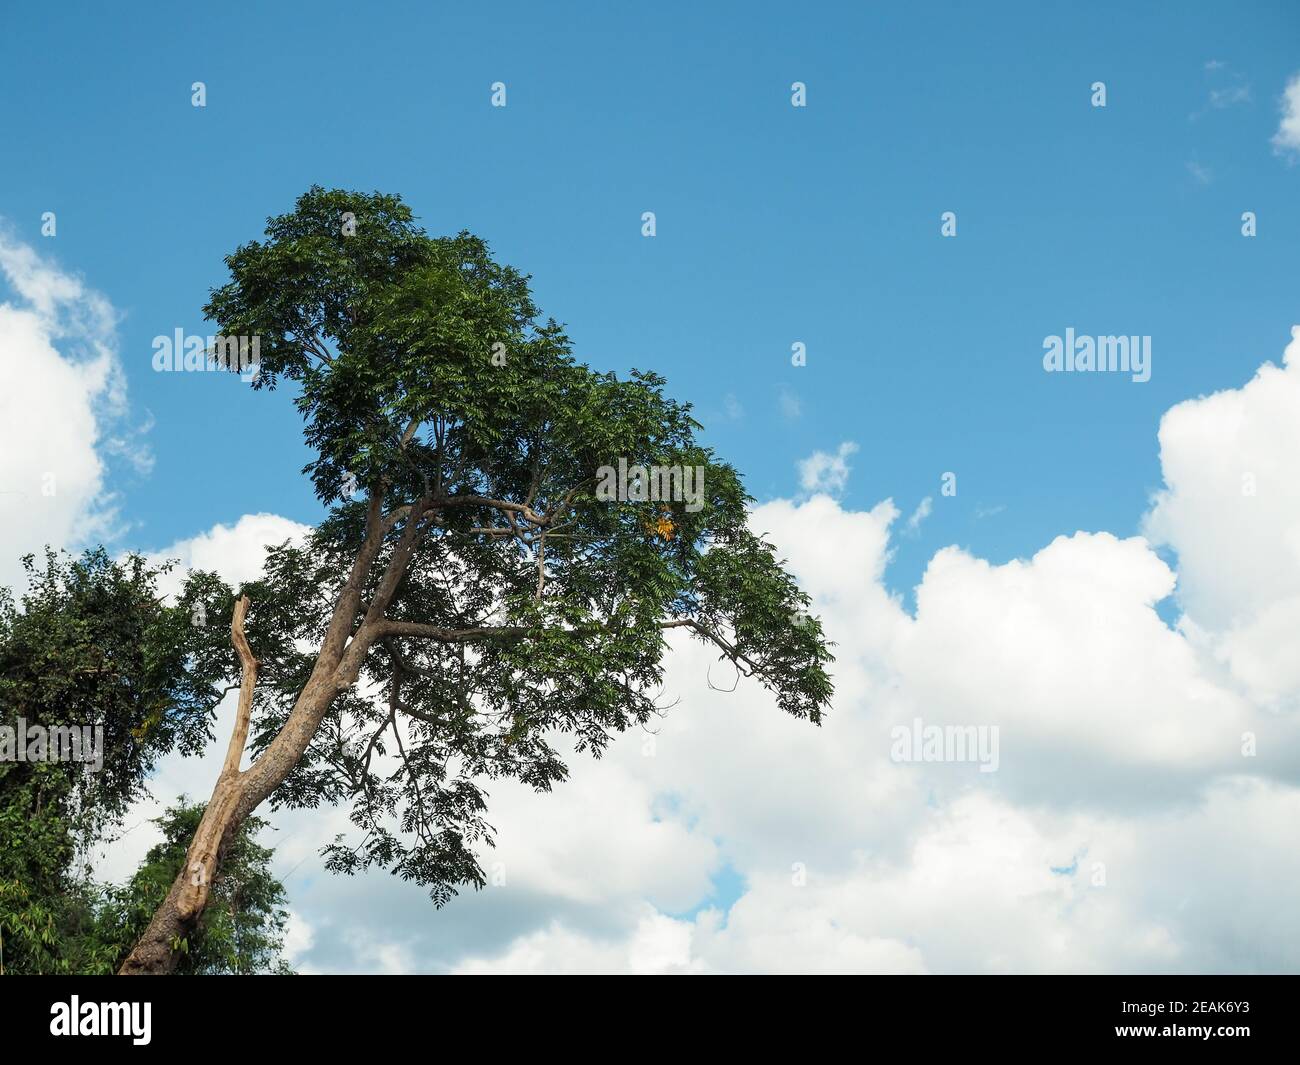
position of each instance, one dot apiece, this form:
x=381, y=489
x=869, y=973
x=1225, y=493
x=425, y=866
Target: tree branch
x=445, y=635
x=523, y=509
x=345, y=609
x=729, y=650
x=244, y=711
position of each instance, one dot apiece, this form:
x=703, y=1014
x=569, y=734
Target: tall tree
x=470, y=595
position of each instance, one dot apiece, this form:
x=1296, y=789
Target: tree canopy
x=458, y=444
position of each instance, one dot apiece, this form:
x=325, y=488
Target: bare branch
x=445, y=635
x=523, y=509
x=729, y=650
x=345, y=608
x=244, y=712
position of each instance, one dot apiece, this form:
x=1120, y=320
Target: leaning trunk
x=160, y=948
x=235, y=796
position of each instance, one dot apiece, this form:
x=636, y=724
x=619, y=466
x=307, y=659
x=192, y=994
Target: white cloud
x=298, y=937
x=823, y=472
x=1287, y=138
x=986, y=887
x=1123, y=830
x=922, y=511
x=1231, y=510
x=62, y=399
x=236, y=552
x=656, y=945
x=1065, y=654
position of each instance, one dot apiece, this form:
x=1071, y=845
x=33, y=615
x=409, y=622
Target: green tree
x=241, y=930
x=89, y=646
x=470, y=595
x=47, y=903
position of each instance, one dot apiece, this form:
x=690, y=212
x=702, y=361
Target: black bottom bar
x=1221, y=1015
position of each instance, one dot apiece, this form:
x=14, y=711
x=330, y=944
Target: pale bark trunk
x=236, y=793
x=233, y=799
x=235, y=796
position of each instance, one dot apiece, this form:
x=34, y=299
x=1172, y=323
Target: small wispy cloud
x=791, y=405
x=923, y=510
x=1229, y=97
x=1202, y=175
x=824, y=472
x=1230, y=89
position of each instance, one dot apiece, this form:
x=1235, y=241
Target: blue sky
x=775, y=224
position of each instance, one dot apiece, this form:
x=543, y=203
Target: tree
x=470, y=595
x=241, y=930
x=89, y=647
x=46, y=901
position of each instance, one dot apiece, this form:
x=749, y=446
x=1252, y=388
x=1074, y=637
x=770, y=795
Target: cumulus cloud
x=657, y=945
x=62, y=404
x=1059, y=862
x=987, y=887
x=1126, y=828
x=1140, y=819
x=1230, y=508
x=1286, y=141
x=235, y=552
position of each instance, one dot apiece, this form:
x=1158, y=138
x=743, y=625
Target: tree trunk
x=159, y=949
x=237, y=794
x=234, y=797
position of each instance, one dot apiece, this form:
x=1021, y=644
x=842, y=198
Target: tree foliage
x=87, y=645
x=91, y=644
x=502, y=604
x=241, y=931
